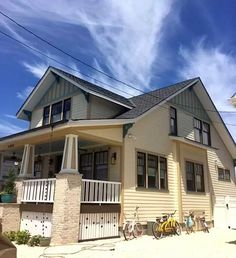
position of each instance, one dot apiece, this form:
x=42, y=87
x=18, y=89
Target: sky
x=147, y=44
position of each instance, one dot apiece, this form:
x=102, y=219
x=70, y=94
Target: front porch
x=66, y=184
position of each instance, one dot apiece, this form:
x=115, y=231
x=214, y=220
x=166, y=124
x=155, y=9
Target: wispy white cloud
x=126, y=33
x=37, y=69
x=7, y=128
x=10, y=116
x=217, y=71
x=23, y=94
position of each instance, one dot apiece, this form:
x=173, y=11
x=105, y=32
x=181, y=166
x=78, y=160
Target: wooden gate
x=98, y=225
x=37, y=223
x=225, y=212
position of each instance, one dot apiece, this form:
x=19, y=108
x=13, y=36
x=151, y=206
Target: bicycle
x=166, y=224
x=189, y=222
x=132, y=228
x=203, y=223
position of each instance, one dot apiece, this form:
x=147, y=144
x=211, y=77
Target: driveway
x=217, y=244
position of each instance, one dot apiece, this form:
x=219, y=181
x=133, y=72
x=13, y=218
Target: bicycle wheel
x=177, y=228
x=138, y=230
x=127, y=231
x=156, y=230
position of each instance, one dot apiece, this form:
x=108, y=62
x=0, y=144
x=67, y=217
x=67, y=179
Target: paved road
x=216, y=244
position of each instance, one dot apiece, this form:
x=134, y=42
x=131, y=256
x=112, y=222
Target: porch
x=66, y=183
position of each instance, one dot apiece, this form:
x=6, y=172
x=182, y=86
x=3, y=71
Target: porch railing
x=93, y=191
x=39, y=190
x=96, y=191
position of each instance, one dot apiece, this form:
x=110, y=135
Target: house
x=90, y=156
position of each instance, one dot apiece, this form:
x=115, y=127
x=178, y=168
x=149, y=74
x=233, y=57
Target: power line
x=66, y=53
x=55, y=60
x=88, y=65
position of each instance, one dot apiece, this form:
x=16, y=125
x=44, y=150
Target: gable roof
x=46, y=81
x=146, y=101
x=95, y=88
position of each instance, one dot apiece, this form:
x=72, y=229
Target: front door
x=101, y=165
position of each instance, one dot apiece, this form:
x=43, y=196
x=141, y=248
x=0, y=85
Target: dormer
x=62, y=96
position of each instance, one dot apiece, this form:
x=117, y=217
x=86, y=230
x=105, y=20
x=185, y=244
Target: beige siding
x=115, y=167
x=220, y=157
x=79, y=107
x=191, y=200
x=150, y=134
x=101, y=108
x=36, y=118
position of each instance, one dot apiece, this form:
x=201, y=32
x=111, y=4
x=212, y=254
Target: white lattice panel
x=37, y=223
x=98, y=225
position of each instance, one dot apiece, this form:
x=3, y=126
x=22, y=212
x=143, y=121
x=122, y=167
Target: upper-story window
x=57, y=112
x=173, y=121
x=202, y=132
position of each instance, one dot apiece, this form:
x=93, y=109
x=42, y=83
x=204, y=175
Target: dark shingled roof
x=97, y=89
x=148, y=100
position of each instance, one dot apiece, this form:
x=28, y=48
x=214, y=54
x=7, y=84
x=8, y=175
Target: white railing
x=93, y=191
x=96, y=191
x=38, y=190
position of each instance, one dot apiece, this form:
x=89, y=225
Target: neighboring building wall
x=150, y=134
x=101, y=108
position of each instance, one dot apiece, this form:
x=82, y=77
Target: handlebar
x=169, y=214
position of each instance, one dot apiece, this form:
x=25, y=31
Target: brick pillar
x=66, y=209
x=19, y=189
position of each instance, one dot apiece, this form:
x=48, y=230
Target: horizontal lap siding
x=152, y=203
x=194, y=201
x=220, y=157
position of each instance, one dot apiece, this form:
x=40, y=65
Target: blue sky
x=147, y=45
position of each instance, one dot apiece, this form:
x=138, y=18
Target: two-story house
x=91, y=155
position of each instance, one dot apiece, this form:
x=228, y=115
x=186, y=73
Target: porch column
x=70, y=154
x=67, y=198
x=27, y=165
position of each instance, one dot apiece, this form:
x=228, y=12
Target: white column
x=27, y=164
x=70, y=154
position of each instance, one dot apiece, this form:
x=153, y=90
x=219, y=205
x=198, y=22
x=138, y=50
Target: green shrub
x=22, y=237
x=11, y=235
x=34, y=240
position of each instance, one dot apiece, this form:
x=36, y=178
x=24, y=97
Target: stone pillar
x=27, y=165
x=70, y=154
x=66, y=209
x=19, y=189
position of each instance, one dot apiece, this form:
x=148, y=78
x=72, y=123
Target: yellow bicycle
x=166, y=225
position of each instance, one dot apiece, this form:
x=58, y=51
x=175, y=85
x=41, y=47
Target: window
x=56, y=112
x=101, y=165
x=194, y=177
x=46, y=115
x=202, y=132
x=206, y=139
x=151, y=171
x=59, y=111
x=86, y=165
x=223, y=174
x=173, y=121
x=66, y=109
x=141, y=169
